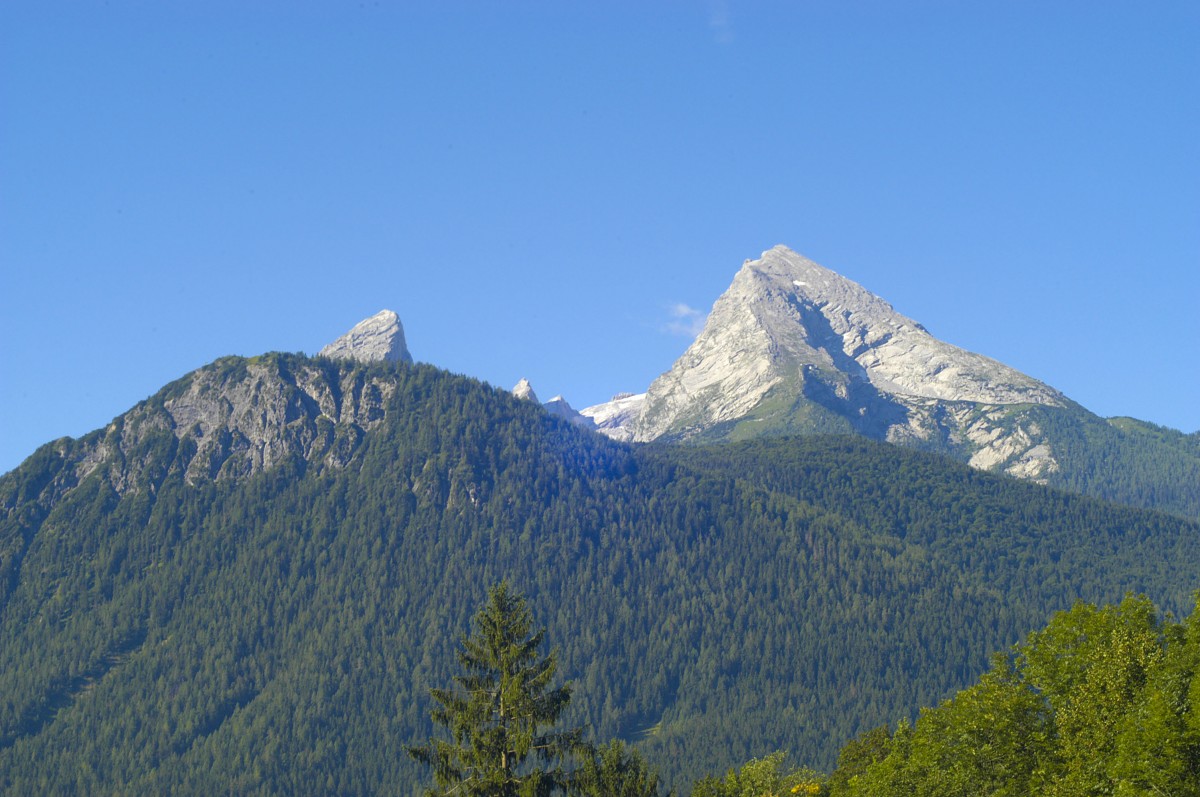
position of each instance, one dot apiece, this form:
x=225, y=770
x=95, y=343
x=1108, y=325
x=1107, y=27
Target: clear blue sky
x=534, y=186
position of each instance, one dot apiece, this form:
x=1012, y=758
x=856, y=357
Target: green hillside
x=1103, y=700
x=277, y=633
x=1128, y=461
x=1122, y=460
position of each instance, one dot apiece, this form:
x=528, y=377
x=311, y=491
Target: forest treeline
x=1125, y=460
x=279, y=633
x=1101, y=701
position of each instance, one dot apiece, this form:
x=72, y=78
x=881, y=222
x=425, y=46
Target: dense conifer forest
x=1103, y=700
x=279, y=633
x=1126, y=460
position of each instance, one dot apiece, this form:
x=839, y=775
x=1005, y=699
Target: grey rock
x=238, y=417
x=524, y=390
x=559, y=406
x=792, y=347
x=615, y=418
x=380, y=337
x=784, y=317
x=556, y=406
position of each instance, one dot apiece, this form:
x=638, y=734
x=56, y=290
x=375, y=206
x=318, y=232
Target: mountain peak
x=380, y=337
x=524, y=390
x=794, y=345
x=785, y=271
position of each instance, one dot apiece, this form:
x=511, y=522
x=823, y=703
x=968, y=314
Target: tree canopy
x=278, y=632
x=502, y=716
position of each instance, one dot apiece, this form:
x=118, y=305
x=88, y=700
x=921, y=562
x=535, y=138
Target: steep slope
x=556, y=406
x=794, y=348
x=380, y=337
x=271, y=624
x=785, y=318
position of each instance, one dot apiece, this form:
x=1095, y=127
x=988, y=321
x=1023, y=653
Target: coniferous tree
x=501, y=719
x=615, y=771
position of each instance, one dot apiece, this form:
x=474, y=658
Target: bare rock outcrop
x=237, y=417
x=380, y=337
x=615, y=418
x=524, y=390
x=792, y=347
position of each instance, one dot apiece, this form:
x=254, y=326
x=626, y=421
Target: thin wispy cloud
x=718, y=21
x=684, y=320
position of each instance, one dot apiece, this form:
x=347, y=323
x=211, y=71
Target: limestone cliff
x=380, y=337
x=792, y=347
x=237, y=417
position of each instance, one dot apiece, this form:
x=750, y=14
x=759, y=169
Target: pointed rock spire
x=380, y=337
x=524, y=390
x=788, y=328
x=559, y=406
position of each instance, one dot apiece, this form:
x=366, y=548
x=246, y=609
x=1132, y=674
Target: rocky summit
x=617, y=416
x=524, y=390
x=380, y=337
x=792, y=347
x=556, y=406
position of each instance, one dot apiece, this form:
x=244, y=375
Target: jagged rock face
x=615, y=417
x=380, y=337
x=795, y=347
x=524, y=390
x=237, y=417
x=559, y=406
x=555, y=406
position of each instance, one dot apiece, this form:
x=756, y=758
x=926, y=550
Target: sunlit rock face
x=380, y=337
x=792, y=347
x=524, y=390
x=616, y=417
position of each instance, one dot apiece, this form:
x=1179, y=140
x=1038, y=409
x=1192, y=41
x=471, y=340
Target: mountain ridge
x=176, y=628
x=787, y=324
x=793, y=348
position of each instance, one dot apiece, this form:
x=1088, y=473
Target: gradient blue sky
x=537, y=188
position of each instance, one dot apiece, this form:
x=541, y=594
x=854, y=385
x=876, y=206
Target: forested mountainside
x=1122, y=460
x=904, y=493
x=1126, y=460
x=1103, y=700
x=250, y=581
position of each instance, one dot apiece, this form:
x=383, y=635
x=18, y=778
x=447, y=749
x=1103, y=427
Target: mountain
x=794, y=348
x=524, y=390
x=616, y=417
x=380, y=337
x=557, y=406
x=250, y=580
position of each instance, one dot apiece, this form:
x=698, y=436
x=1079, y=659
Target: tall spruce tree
x=502, y=716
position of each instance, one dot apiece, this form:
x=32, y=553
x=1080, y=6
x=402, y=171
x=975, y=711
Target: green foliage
x=1102, y=701
x=761, y=777
x=855, y=756
x=504, y=713
x=615, y=771
x=162, y=632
